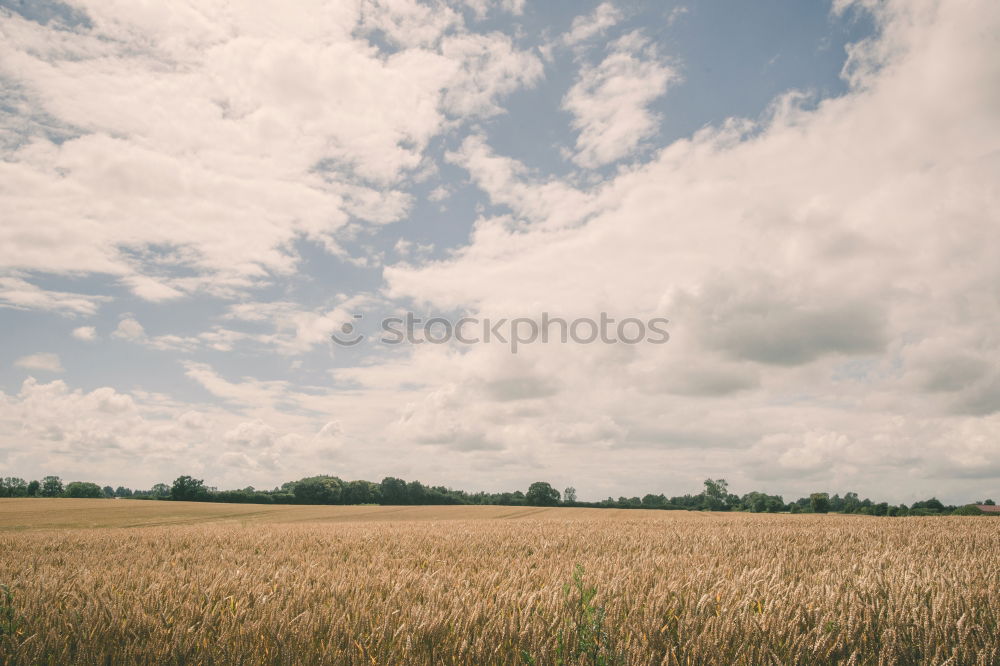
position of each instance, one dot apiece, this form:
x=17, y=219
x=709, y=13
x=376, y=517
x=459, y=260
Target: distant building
x=988, y=508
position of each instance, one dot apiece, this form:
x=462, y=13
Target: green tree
x=13, y=486
x=569, y=495
x=83, y=489
x=160, y=491
x=715, y=494
x=851, y=503
x=541, y=493
x=188, y=489
x=757, y=502
x=393, y=491
x=321, y=489
x=34, y=487
x=651, y=501
x=819, y=502
x=52, y=486
x=932, y=505
x=416, y=493
x=361, y=492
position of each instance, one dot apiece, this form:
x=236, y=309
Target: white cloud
x=481, y=8
x=252, y=434
x=552, y=205
x=85, y=333
x=45, y=361
x=185, y=124
x=129, y=329
x=610, y=101
x=603, y=17
x=829, y=270
x=100, y=433
x=150, y=289
x=832, y=306
x=490, y=67
x=20, y=294
x=408, y=22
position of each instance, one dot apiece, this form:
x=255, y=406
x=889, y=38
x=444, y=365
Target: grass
x=213, y=584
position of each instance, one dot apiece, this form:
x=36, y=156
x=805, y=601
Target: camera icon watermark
x=348, y=336
x=514, y=332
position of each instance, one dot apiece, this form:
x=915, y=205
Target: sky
x=195, y=196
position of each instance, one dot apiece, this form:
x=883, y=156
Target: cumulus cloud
x=839, y=295
x=85, y=333
x=99, y=432
x=252, y=434
x=45, y=361
x=20, y=294
x=828, y=268
x=129, y=329
x=610, y=101
x=584, y=27
x=183, y=125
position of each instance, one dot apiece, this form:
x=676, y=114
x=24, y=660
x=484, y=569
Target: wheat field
x=92, y=581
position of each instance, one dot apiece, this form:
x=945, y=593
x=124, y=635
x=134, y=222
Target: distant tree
x=13, y=486
x=651, y=501
x=188, y=489
x=819, y=502
x=319, y=490
x=160, y=491
x=393, y=491
x=932, y=505
x=851, y=503
x=629, y=502
x=416, y=493
x=990, y=502
x=756, y=502
x=108, y=491
x=34, y=487
x=52, y=486
x=361, y=492
x=967, y=510
x=715, y=494
x=515, y=498
x=122, y=491
x=569, y=495
x=541, y=493
x=83, y=489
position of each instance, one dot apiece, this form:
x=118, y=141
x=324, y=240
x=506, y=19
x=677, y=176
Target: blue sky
x=195, y=196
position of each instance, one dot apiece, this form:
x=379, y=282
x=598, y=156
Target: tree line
x=328, y=489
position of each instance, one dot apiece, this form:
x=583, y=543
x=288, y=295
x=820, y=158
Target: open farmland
x=143, y=582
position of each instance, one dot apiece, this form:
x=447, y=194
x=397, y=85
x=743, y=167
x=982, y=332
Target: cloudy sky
x=195, y=195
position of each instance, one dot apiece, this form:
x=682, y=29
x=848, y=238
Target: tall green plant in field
x=586, y=636
x=8, y=617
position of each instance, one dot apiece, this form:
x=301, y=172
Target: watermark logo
x=514, y=332
x=348, y=335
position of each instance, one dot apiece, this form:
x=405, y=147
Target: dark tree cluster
x=328, y=489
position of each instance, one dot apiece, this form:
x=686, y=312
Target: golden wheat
x=670, y=588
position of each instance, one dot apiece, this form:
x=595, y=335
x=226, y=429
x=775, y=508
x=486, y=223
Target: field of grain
x=94, y=581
